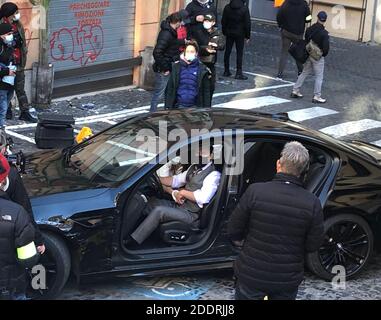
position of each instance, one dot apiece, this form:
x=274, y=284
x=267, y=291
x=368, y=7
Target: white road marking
x=377, y=143
x=19, y=136
x=251, y=103
x=223, y=94
x=351, y=127
x=109, y=122
x=268, y=77
x=309, y=113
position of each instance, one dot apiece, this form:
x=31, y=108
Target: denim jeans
x=5, y=97
x=161, y=82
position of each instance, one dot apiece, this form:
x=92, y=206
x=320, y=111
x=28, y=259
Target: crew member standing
x=197, y=10
x=10, y=14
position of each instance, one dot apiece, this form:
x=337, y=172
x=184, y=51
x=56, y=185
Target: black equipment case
x=54, y=131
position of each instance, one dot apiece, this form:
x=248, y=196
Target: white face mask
x=190, y=57
x=208, y=25
x=17, y=17
x=8, y=38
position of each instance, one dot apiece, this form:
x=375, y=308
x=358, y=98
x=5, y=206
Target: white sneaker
x=296, y=94
x=318, y=100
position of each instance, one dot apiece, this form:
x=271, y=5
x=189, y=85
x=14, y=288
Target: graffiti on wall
x=80, y=44
x=83, y=42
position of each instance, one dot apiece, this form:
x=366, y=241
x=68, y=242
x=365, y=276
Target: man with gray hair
x=279, y=222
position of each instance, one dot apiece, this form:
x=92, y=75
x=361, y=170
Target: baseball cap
x=210, y=17
x=322, y=16
x=184, y=14
x=4, y=168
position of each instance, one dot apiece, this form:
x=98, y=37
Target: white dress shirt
x=208, y=189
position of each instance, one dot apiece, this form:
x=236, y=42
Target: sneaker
x=280, y=76
x=296, y=94
x=227, y=74
x=299, y=73
x=318, y=100
x=9, y=115
x=240, y=76
x=26, y=116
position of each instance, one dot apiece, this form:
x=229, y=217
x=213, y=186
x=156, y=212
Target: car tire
x=314, y=260
x=57, y=261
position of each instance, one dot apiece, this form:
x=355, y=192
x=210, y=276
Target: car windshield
x=119, y=152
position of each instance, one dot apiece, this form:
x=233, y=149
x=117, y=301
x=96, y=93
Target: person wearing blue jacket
x=189, y=84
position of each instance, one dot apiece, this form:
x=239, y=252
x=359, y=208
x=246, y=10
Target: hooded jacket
x=280, y=222
x=6, y=57
x=16, y=231
x=195, y=9
x=203, y=37
x=167, y=49
x=204, y=96
x=236, y=20
x=293, y=16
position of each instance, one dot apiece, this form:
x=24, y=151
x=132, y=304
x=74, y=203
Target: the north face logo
x=7, y=218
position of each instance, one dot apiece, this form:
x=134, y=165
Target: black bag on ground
x=298, y=51
x=54, y=131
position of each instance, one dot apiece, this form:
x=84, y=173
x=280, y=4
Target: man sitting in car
x=191, y=190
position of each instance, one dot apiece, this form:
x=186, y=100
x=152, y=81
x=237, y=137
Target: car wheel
x=57, y=263
x=348, y=242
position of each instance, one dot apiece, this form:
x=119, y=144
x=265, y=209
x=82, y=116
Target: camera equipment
x=15, y=159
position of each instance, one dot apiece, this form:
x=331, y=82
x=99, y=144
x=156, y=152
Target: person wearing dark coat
x=189, y=84
x=9, y=13
x=280, y=222
x=210, y=40
x=166, y=51
x=17, y=247
x=319, y=35
x=292, y=18
x=16, y=192
x=197, y=10
x=236, y=26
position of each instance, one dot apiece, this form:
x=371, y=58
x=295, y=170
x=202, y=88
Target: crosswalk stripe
x=351, y=127
x=377, y=143
x=309, y=113
x=251, y=103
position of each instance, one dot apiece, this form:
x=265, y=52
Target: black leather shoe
x=240, y=76
x=26, y=116
x=227, y=74
x=9, y=115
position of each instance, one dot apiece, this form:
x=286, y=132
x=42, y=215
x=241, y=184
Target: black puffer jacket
x=203, y=37
x=236, y=20
x=167, y=49
x=197, y=9
x=293, y=16
x=6, y=57
x=281, y=222
x=16, y=230
x=17, y=193
x=320, y=36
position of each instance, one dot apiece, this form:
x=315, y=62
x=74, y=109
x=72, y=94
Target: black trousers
x=239, y=45
x=20, y=91
x=253, y=294
x=212, y=68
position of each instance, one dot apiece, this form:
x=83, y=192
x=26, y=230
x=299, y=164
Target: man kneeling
x=200, y=183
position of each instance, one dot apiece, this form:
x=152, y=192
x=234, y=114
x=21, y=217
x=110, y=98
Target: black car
x=83, y=196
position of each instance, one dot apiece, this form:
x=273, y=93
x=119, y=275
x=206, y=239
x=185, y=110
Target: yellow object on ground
x=84, y=134
x=278, y=3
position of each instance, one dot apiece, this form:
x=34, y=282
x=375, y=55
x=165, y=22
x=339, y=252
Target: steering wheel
x=155, y=182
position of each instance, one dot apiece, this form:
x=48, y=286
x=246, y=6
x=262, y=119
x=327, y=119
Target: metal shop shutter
x=84, y=33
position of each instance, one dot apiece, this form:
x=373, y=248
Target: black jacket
x=196, y=9
x=204, y=98
x=167, y=49
x=281, y=222
x=17, y=193
x=6, y=57
x=16, y=230
x=236, y=20
x=203, y=37
x=320, y=36
x=293, y=16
